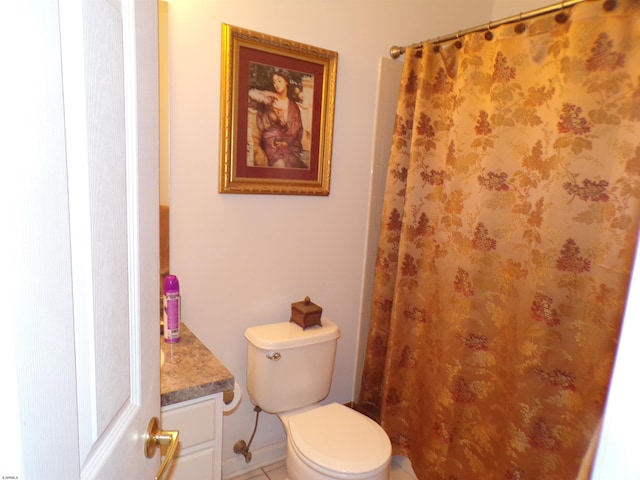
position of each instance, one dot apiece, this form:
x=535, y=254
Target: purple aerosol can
x=171, y=309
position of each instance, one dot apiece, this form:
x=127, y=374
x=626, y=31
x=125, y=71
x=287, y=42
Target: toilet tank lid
x=289, y=335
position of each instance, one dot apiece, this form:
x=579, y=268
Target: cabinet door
x=196, y=421
x=199, y=465
x=200, y=448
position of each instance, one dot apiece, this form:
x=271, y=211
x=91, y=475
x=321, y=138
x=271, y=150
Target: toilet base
x=297, y=469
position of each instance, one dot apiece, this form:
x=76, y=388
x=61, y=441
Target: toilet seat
x=338, y=439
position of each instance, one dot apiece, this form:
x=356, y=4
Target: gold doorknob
x=156, y=438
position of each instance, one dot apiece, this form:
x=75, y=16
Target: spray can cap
x=171, y=285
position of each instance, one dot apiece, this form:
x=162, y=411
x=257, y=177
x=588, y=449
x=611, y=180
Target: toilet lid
x=340, y=439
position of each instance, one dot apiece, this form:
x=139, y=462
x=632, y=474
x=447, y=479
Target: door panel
x=80, y=109
x=109, y=70
x=97, y=169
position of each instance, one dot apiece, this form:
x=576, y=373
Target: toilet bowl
x=335, y=442
x=289, y=372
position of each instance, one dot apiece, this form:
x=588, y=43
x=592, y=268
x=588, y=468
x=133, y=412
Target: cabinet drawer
x=195, y=466
x=196, y=422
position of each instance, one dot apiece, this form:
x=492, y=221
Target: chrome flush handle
x=275, y=356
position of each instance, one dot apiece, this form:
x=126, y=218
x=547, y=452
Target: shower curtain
x=510, y=220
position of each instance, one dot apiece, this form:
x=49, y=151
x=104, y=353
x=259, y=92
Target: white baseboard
x=262, y=457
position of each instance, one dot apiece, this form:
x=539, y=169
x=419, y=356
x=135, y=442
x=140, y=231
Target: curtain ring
x=489, y=34
x=520, y=27
x=562, y=17
x=436, y=47
x=458, y=43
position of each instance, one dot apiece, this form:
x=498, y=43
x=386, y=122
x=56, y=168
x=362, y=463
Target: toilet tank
x=288, y=367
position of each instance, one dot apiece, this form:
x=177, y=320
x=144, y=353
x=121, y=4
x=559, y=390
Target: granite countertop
x=190, y=370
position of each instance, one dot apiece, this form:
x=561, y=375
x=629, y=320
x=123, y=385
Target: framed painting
x=277, y=109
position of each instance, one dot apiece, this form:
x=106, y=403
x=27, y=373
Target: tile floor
x=278, y=471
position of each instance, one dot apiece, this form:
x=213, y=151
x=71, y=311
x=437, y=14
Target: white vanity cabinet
x=199, y=455
x=192, y=386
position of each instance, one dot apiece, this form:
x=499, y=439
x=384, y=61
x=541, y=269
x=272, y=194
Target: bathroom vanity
x=193, y=383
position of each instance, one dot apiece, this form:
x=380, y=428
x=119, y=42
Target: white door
x=82, y=124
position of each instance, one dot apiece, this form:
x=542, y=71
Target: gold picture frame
x=277, y=109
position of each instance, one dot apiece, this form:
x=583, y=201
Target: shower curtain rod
x=396, y=51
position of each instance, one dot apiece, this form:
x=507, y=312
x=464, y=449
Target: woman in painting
x=279, y=122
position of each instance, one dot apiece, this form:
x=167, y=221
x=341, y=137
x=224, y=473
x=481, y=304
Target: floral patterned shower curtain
x=511, y=216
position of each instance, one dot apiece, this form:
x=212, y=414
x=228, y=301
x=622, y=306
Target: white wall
x=389, y=76
x=506, y=8
x=242, y=259
x=617, y=454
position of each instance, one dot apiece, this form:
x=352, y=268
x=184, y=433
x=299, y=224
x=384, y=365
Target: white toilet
x=289, y=371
